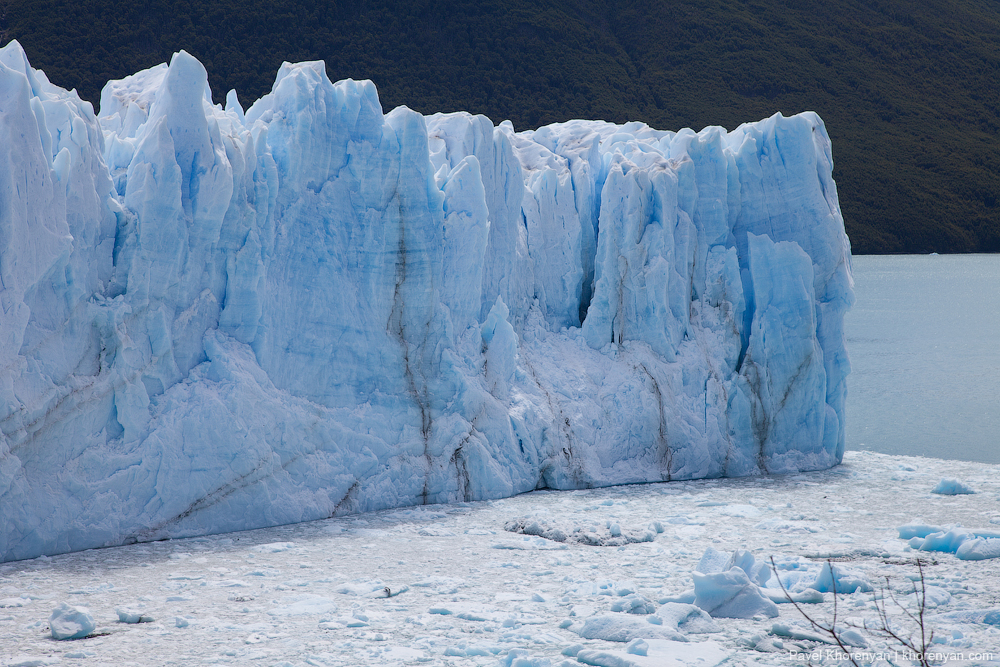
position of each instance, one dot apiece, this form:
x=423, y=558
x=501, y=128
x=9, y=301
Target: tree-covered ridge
x=908, y=88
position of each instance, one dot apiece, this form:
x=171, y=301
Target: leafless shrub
x=909, y=642
x=884, y=628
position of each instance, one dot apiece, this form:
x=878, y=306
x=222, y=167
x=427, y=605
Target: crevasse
x=216, y=320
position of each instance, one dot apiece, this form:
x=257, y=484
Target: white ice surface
x=313, y=593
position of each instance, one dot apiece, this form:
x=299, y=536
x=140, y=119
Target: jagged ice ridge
x=214, y=319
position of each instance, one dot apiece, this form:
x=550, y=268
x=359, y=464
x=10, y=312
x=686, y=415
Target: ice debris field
x=453, y=585
x=216, y=318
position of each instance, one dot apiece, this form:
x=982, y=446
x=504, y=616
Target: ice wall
x=216, y=319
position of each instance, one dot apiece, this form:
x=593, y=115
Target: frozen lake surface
x=465, y=591
x=924, y=341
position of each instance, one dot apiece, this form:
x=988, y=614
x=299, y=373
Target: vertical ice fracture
x=215, y=319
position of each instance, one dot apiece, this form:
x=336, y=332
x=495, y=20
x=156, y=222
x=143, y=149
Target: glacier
x=216, y=318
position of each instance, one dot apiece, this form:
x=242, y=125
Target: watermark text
x=863, y=656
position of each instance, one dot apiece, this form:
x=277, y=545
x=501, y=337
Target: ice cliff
x=216, y=319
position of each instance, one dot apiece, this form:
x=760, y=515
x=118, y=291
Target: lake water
x=924, y=342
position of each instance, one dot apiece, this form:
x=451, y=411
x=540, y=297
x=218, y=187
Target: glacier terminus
x=215, y=319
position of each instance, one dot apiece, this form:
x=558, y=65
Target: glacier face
x=216, y=319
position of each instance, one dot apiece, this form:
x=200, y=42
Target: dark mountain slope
x=908, y=88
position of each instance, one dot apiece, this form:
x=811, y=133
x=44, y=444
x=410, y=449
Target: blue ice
x=219, y=318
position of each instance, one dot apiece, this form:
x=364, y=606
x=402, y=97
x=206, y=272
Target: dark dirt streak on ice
x=222, y=492
x=396, y=328
x=564, y=427
x=664, y=453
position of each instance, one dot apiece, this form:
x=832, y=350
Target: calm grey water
x=924, y=342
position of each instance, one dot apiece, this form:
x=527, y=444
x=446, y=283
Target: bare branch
x=830, y=630
x=919, y=619
x=884, y=627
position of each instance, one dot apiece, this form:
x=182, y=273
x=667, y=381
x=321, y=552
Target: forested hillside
x=908, y=88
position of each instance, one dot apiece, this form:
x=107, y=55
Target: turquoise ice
x=217, y=319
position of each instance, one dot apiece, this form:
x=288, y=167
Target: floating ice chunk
x=714, y=562
x=633, y=604
x=622, y=628
x=728, y=585
x=918, y=529
x=952, y=487
x=519, y=657
x=69, y=622
x=658, y=653
x=686, y=618
x=807, y=596
x=687, y=597
x=32, y=661
x=848, y=636
x=637, y=647
x=791, y=631
x=731, y=595
x=762, y=643
x=604, y=534
x=833, y=577
x=130, y=615
x=852, y=637
x=610, y=588
x=530, y=544
x=15, y=602
x=356, y=620
x=371, y=588
x=979, y=548
x=464, y=650
x=948, y=541
x=474, y=612
x=966, y=544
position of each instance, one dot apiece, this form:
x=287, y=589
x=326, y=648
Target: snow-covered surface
x=463, y=591
x=215, y=319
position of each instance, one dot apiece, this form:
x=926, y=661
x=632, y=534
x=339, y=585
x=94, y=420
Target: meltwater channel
x=924, y=343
